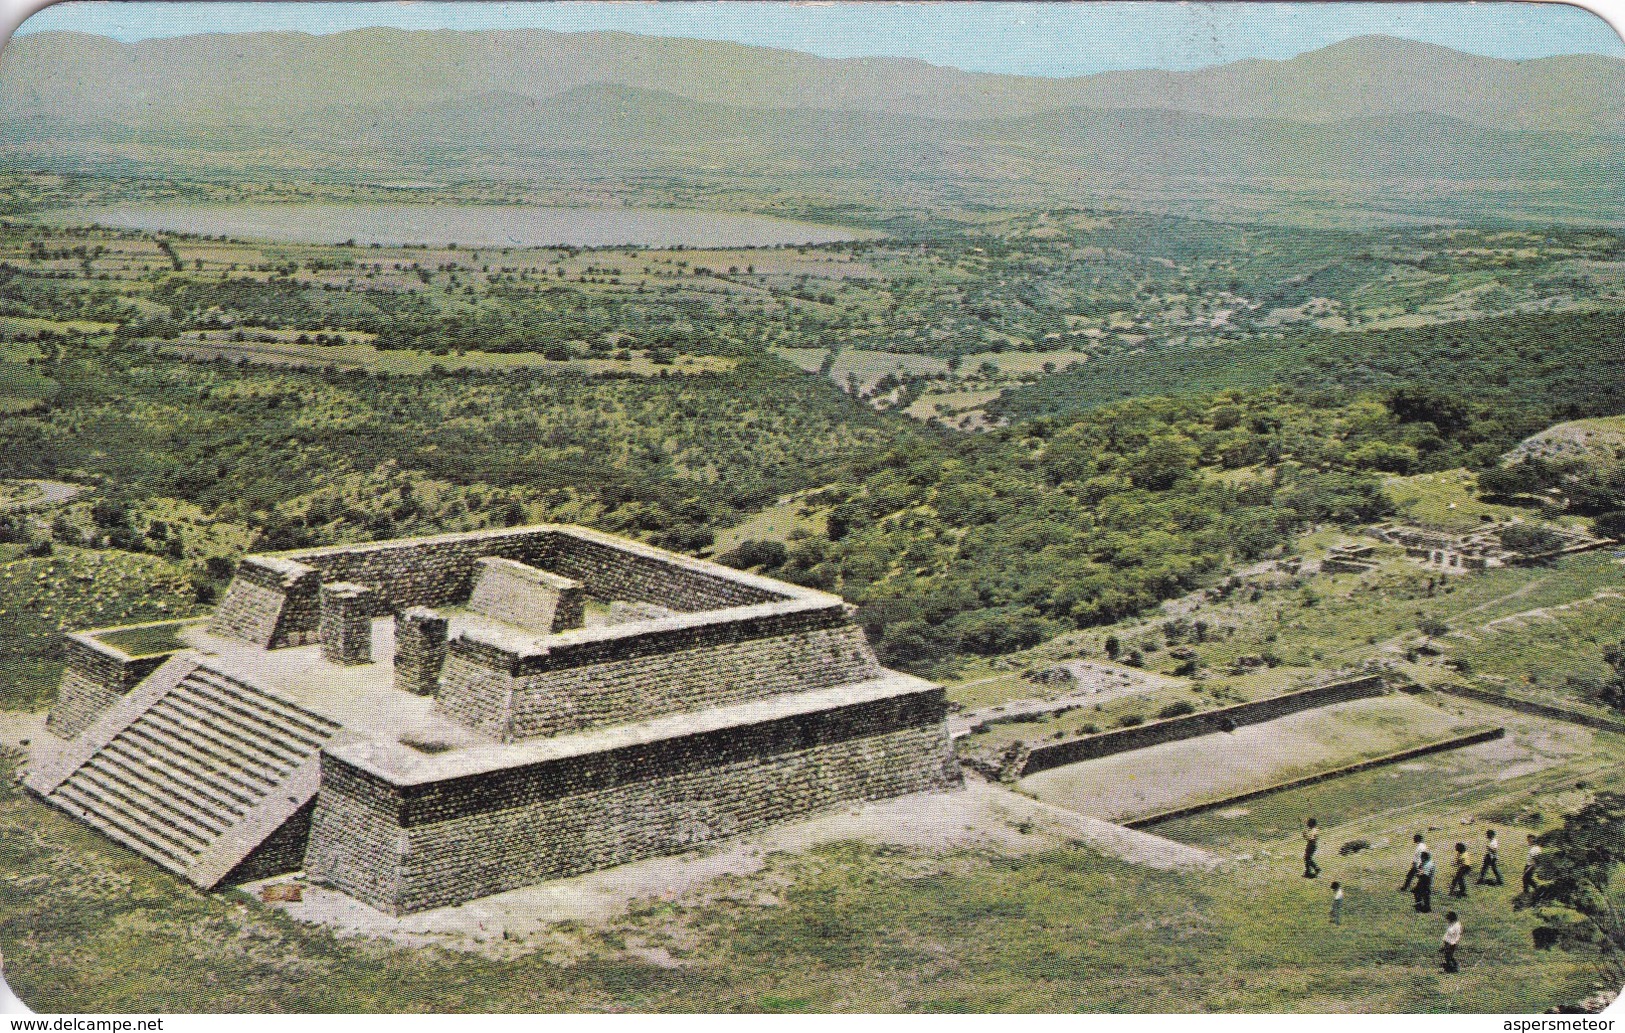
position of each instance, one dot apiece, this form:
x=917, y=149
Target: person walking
x=1452, y=940
x=1311, y=843
x=1492, y=860
x=1337, y=903
x=1529, y=867
x=1463, y=868
x=1418, y=848
x=1422, y=892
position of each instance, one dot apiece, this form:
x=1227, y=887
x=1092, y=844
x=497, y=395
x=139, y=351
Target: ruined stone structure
x=1479, y=550
x=426, y=721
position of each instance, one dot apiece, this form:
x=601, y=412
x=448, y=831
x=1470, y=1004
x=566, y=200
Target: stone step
x=204, y=740
x=164, y=792
x=312, y=725
x=227, y=730
x=149, y=763
x=125, y=828
x=250, y=714
x=199, y=775
x=176, y=752
x=130, y=798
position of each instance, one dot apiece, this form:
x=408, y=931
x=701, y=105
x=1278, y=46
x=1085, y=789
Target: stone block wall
x=420, y=650
x=273, y=600
x=404, y=848
x=94, y=677
x=1152, y=733
x=614, y=569
x=615, y=678
x=282, y=851
x=521, y=595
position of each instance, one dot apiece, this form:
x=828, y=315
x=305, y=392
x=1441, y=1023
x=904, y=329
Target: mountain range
x=1369, y=106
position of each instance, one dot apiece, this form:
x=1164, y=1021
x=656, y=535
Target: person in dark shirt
x=1311, y=842
x=1422, y=892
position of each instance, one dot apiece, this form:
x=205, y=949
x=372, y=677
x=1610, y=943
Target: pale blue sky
x=1049, y=39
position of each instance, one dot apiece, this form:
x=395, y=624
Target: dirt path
x=1114, y=840
x=1547, y=613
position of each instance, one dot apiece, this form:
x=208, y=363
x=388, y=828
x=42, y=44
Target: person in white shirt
x=1492, y=860
x=1419, y=847
x=1529, y=869
x=9, y=1004
x=1452, y=940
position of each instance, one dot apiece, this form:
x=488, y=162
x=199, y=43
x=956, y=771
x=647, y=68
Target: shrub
x=1130, y=720
x=1610, y=525
x=1178, y=708
x=752, y=553
x=1528, y=540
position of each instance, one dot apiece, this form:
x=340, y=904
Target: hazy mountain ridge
x=1371, y=106
x=72, y=77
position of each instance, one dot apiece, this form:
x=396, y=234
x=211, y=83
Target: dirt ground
x=1210, y=767
x=544, y=918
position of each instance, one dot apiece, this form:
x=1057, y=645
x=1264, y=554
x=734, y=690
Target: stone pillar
x=571, y=611
x=346, y=623
x=420, y=650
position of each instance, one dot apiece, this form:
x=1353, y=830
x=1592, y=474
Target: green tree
x=1577, y=897
x=1530, y=540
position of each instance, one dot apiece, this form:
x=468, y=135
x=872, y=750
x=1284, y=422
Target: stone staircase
x=194, y=769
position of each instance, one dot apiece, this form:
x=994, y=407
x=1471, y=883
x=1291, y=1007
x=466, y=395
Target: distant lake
x=489, y=226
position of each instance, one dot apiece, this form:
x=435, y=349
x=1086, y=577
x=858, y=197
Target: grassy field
x=1447, y=500
x=842, y=928
x=777, y=523
x=75, y=589
x=1522, y=783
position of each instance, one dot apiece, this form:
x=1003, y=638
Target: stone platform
x=560, y=701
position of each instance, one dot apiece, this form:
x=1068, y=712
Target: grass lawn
x=773, y=524
x=147, y=639
x=1447, y=499
x=1523, y=781
x=90, y=927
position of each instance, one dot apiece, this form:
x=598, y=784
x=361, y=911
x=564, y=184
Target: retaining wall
x=404, y=848
x=1524, y=706
x=272, y=600
x=95, y=676
x=1152, y=733
x=613, y=676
